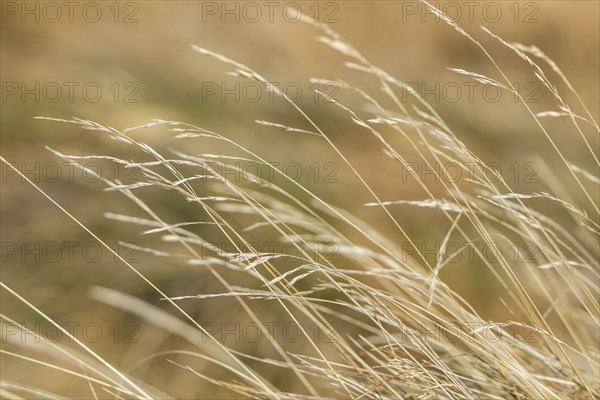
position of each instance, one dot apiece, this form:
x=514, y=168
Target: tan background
x=155, y=54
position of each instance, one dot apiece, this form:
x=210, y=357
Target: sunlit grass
x=406, y=333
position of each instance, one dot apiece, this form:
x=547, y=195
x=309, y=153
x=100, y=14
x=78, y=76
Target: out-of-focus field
x=146, y=69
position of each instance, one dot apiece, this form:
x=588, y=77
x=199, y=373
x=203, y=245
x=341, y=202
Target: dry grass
x=399, y=330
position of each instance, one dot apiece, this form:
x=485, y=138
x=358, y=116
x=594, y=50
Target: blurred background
x=123, y=64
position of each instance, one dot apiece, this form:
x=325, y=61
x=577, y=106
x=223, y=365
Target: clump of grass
x=406, y=334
